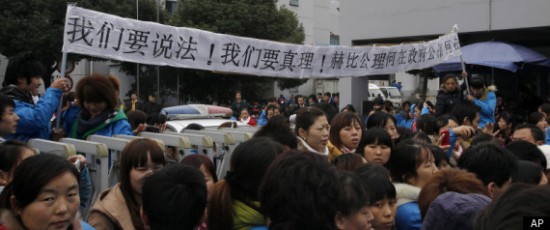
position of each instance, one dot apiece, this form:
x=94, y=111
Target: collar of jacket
x=309, y=148
x=406, y=193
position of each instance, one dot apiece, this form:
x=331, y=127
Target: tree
x=247, y=18
x=38, y=25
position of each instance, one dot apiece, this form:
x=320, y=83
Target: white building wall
x=370, y=19
x=320, y=19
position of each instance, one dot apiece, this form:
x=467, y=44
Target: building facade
x=364, y=22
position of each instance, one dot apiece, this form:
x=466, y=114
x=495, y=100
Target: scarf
x=245, y=216
x=246, y=121
x=86, y=123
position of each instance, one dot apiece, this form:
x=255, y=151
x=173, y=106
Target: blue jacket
x=113, y=128
x=487, y=104
x=262, y=121
x=408, y=217
x=34, y=120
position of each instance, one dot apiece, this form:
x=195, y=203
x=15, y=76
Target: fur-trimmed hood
x=406, y=193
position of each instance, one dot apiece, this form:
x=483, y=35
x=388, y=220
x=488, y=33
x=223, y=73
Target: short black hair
x=353, y=193
x=5, y=101
x=373, y=135
x=278, y=129
x=174, y=197
x=380, y=119
x=490, y=163
x=443, y=120
x=528, y=151
x=528, y=172
x=156, y=118
x=536, y=132
x=482, y=137
x=476, y=82
x=300, y=191
x=465, y=110
x=372, y=169
x=427, y=123
x=379, y=187
x=405, y=159
x=23, y=65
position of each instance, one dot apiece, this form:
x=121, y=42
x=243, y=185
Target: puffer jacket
x=446, y=100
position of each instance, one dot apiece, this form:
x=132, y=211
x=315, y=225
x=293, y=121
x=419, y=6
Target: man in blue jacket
x=484, y=98
x=23, y=76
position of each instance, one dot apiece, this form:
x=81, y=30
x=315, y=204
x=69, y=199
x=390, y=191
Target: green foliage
x=248, y=18
x=37, y=26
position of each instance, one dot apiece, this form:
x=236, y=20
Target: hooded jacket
x=408, y=215
x=454, y=211
x=487, y=104
x=34, y=120
x=112, y=126
x=446, y=100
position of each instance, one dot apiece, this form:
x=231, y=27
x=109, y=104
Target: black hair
x=379, y=187
x=535, y=117
x=443, y=121
x=373, y=135
x=508, y=210
x=5, y=102
x=194, y=126
x=248, y=165
x=372, y=169
x=350, y=108
x=439, y=156
x=528, y=151
x=174, y=197
x=379, y=119
x=353, y=193
x=490, y=163
x=278, y=129
x=24, y=65
x=156, y=118
x=405, y=158
x=10, y=155
x=348, y=162
x=300, y=191
x=306, y=117
x=528, y=172
x=420, y=136
x=32, y=175
x=482, y=137
x=536, y=132
x=465, y=110
x=476, y=82
x=427, y=123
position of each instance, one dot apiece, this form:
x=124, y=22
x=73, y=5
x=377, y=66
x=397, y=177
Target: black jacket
x=446, y=101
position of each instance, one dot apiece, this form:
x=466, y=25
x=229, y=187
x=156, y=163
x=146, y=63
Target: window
x=293, y=3
x=171, y=7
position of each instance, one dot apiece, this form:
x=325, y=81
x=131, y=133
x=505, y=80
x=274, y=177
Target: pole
x=158, y=69
x=137, y=64
x=60, y=107
x=463, y=65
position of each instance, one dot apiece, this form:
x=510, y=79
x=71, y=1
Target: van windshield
x=393, y=92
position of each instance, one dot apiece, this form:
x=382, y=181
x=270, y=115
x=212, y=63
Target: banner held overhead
x=108, y=36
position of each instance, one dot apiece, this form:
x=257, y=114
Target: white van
x=387, y=92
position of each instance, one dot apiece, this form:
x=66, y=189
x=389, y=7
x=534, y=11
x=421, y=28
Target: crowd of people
x=463, y=163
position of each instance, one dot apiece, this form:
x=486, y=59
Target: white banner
x=107, y=36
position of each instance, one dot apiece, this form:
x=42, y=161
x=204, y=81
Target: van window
x=385, y=92
x=393, y=93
